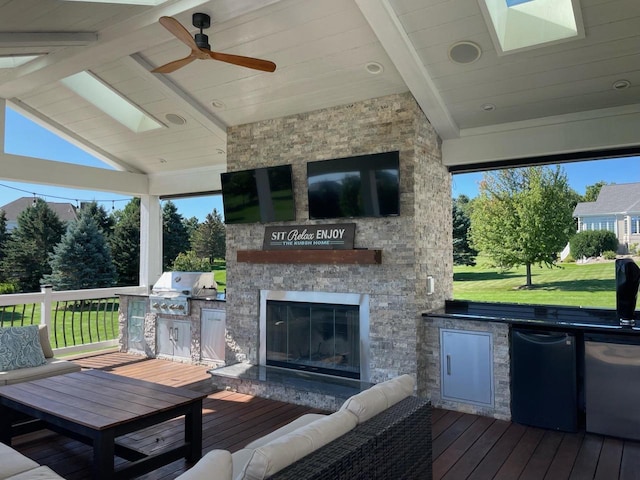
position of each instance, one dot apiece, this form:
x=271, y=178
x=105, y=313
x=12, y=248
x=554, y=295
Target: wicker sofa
x=389, y=437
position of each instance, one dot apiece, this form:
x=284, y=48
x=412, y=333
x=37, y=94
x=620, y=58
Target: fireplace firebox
x=317, y=332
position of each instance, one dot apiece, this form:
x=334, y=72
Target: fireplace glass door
x=314, y=337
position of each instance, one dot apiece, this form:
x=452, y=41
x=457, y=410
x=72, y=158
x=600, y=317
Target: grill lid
x=185, y=283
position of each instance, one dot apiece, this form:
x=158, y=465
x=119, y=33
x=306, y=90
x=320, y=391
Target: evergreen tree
x=125, y=244
x=82, y=259
x=463, y=252
x=103, y=220
x=523, y=216
x=209, y=240
x=175, y=237
x=27, y=252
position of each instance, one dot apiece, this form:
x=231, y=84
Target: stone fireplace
x=415, y=246
x=318, y=332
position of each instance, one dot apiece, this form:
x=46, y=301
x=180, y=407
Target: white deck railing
x=78, y=320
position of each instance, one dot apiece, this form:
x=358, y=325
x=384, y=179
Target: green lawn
x=590, y=285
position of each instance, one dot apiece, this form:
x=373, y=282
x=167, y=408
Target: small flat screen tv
x=258, y=195
x=362, y=186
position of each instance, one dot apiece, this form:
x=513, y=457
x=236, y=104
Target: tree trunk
x=529, y=275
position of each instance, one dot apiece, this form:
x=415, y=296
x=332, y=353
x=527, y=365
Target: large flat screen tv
x=362, y=186
x=258, y=195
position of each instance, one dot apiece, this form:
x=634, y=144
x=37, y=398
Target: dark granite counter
x=538, y=316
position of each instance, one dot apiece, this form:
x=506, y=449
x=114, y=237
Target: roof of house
x=612, y=199
x=65, y=211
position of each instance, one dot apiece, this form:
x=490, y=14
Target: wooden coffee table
x=96, y=407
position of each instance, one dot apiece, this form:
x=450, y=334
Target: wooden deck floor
x=464, y=446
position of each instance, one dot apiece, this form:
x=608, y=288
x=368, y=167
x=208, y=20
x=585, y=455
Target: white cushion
x=328, y=428
x=375, y=400
x=45, y=343
x=53, y=366
x=289, y=427
x=216, y=464
x=366, y=405
x=40, y=473
x=240, y=460
x=13, y=462
x=276, y=455
x=396, y=389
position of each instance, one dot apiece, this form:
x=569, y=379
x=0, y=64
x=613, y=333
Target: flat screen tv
x=362, y=186
x=258, y=195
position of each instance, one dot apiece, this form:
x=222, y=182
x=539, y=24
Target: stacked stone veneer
x=414, y=245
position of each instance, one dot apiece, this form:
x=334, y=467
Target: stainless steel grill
x=171, y=293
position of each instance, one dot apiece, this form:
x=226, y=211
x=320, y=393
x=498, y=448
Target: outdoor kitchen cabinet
x=174, y=337
x=466, y=365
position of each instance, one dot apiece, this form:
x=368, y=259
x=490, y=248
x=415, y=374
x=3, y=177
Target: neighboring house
x=617, y=209
x=65, y=211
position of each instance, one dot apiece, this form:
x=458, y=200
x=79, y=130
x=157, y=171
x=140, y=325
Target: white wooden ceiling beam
x=386, y=25
x=18, y=168
x=46, y=39
x=191, y=106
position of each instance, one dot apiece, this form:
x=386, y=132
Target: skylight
x=126, y=2
x=111, y=102
x=525, y=24
x=13, y=61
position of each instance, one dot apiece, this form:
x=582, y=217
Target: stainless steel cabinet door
x=466, y=366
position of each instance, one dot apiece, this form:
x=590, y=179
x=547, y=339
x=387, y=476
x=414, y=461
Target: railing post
x=45, y=305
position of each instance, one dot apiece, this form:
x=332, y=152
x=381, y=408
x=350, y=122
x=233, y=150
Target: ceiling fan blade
x=255, y=63
x=175, y=65
x=181, y=33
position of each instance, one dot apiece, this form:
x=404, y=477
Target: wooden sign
x=313, y=237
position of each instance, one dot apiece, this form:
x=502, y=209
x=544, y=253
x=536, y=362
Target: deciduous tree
x=523, y=216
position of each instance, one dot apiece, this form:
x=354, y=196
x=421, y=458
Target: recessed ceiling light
x=488, y=107
x=464, y=52
x=217, y=104
x=621, y=84
x=374, y=68
x=175, y=119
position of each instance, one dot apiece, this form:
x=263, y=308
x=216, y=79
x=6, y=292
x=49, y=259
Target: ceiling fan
x=200, y=48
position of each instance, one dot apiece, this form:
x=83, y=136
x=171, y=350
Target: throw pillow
x=20, y=348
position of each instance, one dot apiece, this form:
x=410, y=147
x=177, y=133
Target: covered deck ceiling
x=563, y=96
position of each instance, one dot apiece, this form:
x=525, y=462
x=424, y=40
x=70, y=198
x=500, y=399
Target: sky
x=579, y=174
x=24, y=137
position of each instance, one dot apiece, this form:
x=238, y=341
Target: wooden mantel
x=361, y=257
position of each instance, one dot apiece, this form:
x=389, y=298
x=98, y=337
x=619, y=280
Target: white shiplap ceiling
x=321, y=49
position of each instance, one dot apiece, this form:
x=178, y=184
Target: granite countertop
x=574, y=318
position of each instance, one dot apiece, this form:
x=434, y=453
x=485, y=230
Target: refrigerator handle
x=448, y=364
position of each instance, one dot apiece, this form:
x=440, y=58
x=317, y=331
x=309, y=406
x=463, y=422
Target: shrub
x=633, y=249
x=190, y=262
x=609, y=255
x=6, y=288
x=592, y=243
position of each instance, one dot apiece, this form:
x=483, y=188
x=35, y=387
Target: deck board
x=465, y=446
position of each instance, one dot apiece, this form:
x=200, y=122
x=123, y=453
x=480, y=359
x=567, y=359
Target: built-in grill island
x=183, y=318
